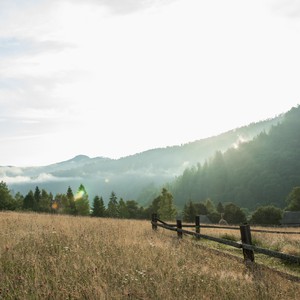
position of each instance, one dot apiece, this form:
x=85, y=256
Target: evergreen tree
x=29, y=201
x=98, y=209
x=122, y=209
x=189, y=212
x=19, y=199
x=6, y=200
x=293, y=199
x=209, y=205
x=134, y=212
x=71, y=206
x=112, y=206
x=200, y=209
x=82, y=201
x=166, y=209
x=37, y=199
x=45, y=202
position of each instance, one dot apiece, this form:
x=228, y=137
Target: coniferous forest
x=260, y=172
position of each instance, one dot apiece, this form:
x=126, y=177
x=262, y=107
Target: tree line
x=78, y=204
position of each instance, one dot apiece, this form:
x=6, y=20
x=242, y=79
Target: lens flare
x=79, y=195
x=54, y=205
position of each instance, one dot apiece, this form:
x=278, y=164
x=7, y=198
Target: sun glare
x=79, y=195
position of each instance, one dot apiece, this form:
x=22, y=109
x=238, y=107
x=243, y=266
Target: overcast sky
x=116, y=77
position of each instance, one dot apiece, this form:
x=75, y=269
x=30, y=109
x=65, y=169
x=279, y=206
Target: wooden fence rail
x=245, y=231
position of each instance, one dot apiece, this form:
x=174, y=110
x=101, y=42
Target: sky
x=113, y=78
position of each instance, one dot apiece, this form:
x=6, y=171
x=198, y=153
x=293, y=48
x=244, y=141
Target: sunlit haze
x=114, y=78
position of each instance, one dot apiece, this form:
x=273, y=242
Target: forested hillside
x=259, y=172
x=139, y=176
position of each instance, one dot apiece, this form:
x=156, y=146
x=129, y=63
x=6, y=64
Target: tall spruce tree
x=112, y=206
x=37, y=199
x=29, y=201
x=82, y=201
x=166, y=209
x=98, y=209
x=71, y=202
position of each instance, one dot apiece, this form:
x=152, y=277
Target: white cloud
x=19, y=179
x=15, y=179
x=95, y=78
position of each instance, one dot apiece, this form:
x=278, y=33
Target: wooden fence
x=246, y=239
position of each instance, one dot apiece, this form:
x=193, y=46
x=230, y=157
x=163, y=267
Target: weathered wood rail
x=246, y=239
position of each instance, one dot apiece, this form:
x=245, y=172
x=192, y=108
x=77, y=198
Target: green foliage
x=214, y=217
x=98, y=209
x=29, y=201
x=293, y=199
x=209, y=206
x=233, y=214
x=122, y=209
x=41, y=201
x=189, y=212
x=82, y=201
x=112, y=207
x=259, y=172
x=134, y=212
x=267, y=215
x=166, y=209
x=201, y=209
x=7, y=202
x=37, y=198
x=163, y=206
x=45, y=201
x=70, y=206
x=220, y=208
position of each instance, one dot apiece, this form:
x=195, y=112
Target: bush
x=267, y=215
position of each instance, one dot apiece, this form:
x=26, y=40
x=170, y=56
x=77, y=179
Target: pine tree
x=98, y=209
x=293, y=199
x=45, y=202
x=29, y=201
x=123, y=211
x=71, y=202
x=37, y=199
x=166, y=209
x=82, y=201
x=112, y=206
x=189, y=212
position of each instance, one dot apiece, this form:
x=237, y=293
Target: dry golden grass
x=64, y=257
x=286, y=243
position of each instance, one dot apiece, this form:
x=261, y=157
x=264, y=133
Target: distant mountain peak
x=80, y=157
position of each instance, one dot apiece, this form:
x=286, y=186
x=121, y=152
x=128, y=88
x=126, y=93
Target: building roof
x=291, y=218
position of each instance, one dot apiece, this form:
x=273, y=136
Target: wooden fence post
x=246, y=239
x=197, y=225
x=154, y=221
x=179, y=226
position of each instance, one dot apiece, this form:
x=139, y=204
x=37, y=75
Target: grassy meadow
x=65, y=257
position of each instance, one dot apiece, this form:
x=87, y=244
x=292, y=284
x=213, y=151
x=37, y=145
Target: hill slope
x=133, y=177
x=262, y=171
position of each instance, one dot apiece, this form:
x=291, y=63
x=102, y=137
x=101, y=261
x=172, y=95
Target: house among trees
x=291, y=218
x=204, y=219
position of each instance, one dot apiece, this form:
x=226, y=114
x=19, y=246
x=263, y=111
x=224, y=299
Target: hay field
x=64, y=257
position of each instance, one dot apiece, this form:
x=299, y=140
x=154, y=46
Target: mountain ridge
x=131, y=176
